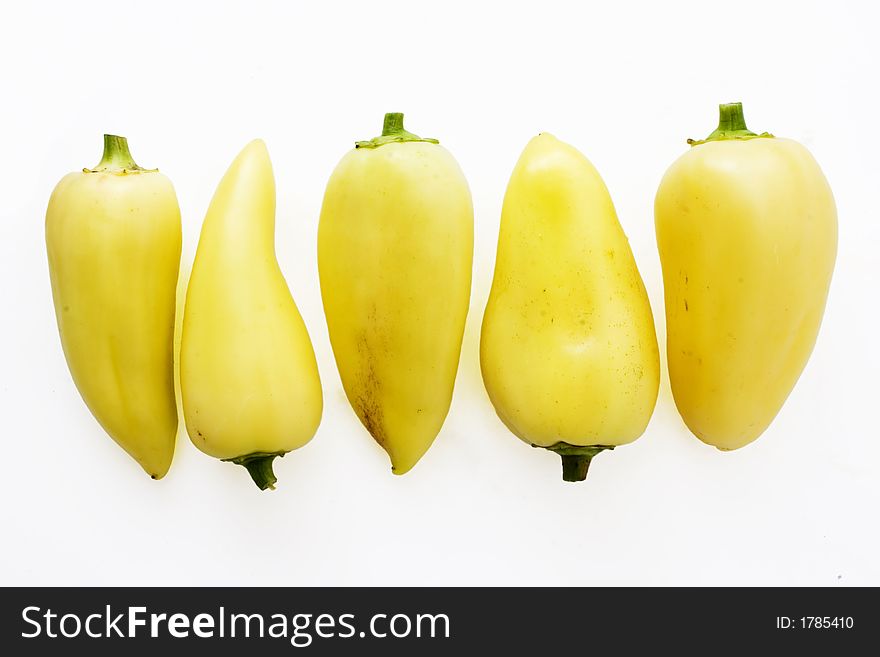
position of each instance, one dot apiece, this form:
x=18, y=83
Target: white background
x=627, y=83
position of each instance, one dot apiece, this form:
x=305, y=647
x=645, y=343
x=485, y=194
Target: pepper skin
x=113, y=238
x=568, y=350
x=747, y=233
x=248, y=374
x=395, y=247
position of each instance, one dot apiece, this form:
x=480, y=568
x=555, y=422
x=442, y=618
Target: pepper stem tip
x=393, y=124
x=575, y=467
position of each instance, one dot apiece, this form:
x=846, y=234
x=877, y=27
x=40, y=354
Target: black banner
x=283, y=621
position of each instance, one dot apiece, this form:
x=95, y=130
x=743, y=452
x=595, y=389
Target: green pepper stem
x=392, y=132
x=393, y=124
x=116, y=154
x=731, y=125
x=575, y=467
x=259, y=467
x=117, y=158
x=261, y=472
x=731, y=117
x=575, y=458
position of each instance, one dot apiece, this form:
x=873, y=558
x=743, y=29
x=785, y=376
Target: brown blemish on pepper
x=366, y=401
x=368, y=409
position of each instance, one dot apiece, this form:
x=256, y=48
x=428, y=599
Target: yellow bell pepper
x=248, y=375
x=113, y=238
x=747, y=233
x=395, y=245
x=568, y=350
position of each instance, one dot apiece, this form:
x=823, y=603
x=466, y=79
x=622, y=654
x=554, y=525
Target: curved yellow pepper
x=395, y=245
x=568, y=350
x=248, y=375
x=113, y=238
x=747, y=233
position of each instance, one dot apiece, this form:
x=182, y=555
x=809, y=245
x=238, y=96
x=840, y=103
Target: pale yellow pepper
x=568, y=350
x=747, y=232
x=248, y=374
x=113, y=238
x=395, y=245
